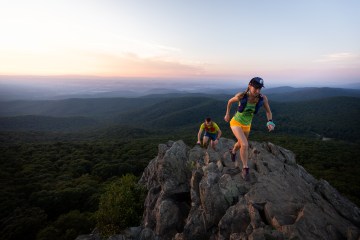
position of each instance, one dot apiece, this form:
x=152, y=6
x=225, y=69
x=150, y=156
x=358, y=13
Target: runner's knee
x=243, y=144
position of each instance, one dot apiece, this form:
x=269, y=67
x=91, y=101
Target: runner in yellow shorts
x=249, y=103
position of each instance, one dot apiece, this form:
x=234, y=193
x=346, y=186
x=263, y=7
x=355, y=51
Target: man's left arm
x=218, y=131
x=219, y=134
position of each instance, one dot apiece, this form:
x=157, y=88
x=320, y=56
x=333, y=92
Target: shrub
x=121, y=206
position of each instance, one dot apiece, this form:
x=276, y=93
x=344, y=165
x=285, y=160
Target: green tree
x=121, y=206
x=68, y=226
x=23, y=223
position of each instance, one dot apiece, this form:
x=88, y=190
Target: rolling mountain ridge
x=336, y=117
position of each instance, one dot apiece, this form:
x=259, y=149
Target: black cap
x=257, y=82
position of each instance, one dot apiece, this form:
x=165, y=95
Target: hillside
x=304, y=94
x=101, y=108
x=330, y=117
x=104, y=106
x=335, y=117
x=173, y=113
x=43, y=123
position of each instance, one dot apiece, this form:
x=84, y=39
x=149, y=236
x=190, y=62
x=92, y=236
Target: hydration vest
x=243, y=103
x=209, y=128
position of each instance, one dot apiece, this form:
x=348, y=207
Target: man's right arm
x=200, y=132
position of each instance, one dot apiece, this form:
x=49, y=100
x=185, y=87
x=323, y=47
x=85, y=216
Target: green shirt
x=246, y=116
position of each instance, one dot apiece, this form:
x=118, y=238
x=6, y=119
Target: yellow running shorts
x=245, y=128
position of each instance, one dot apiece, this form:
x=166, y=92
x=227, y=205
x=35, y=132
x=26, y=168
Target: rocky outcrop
x=193, y=194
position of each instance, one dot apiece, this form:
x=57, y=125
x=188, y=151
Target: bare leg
x=242, y=143
x=236, y=147
x=213, y=144
x=205, y=141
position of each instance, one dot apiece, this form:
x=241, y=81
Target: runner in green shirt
x=249, y=103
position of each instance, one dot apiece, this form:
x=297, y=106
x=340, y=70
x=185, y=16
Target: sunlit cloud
x=339, y=57
x=131, y=65
x=144, y=49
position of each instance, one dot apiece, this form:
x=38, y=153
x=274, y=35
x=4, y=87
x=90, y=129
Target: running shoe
x=232, y=155
x=245, y=174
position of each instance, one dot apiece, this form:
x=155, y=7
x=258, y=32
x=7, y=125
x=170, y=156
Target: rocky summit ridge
x=193, y=194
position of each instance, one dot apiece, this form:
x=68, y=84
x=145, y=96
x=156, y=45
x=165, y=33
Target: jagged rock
x=95, y=235
x=147, y=234
x=192, y=196
x=167, y=179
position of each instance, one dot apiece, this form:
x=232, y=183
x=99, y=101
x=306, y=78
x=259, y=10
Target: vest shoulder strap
x=243, y=103
x=259, y=103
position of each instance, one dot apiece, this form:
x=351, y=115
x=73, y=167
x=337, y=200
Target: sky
x=285, y=42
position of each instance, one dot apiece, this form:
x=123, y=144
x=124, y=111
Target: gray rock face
x=193, y=196
x=168, y=180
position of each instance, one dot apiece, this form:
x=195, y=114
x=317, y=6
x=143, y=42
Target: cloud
x=143, y=49
x=339, y=57
x=130, y=64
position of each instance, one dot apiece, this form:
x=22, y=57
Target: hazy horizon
x=35, y=87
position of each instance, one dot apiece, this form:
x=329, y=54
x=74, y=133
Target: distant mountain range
x=289, y=94
x=324, y=111
x=93, y=106
x=44, y=123
x=11, y=93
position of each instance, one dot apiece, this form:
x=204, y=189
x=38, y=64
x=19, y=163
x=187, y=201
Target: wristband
x=270, y=122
